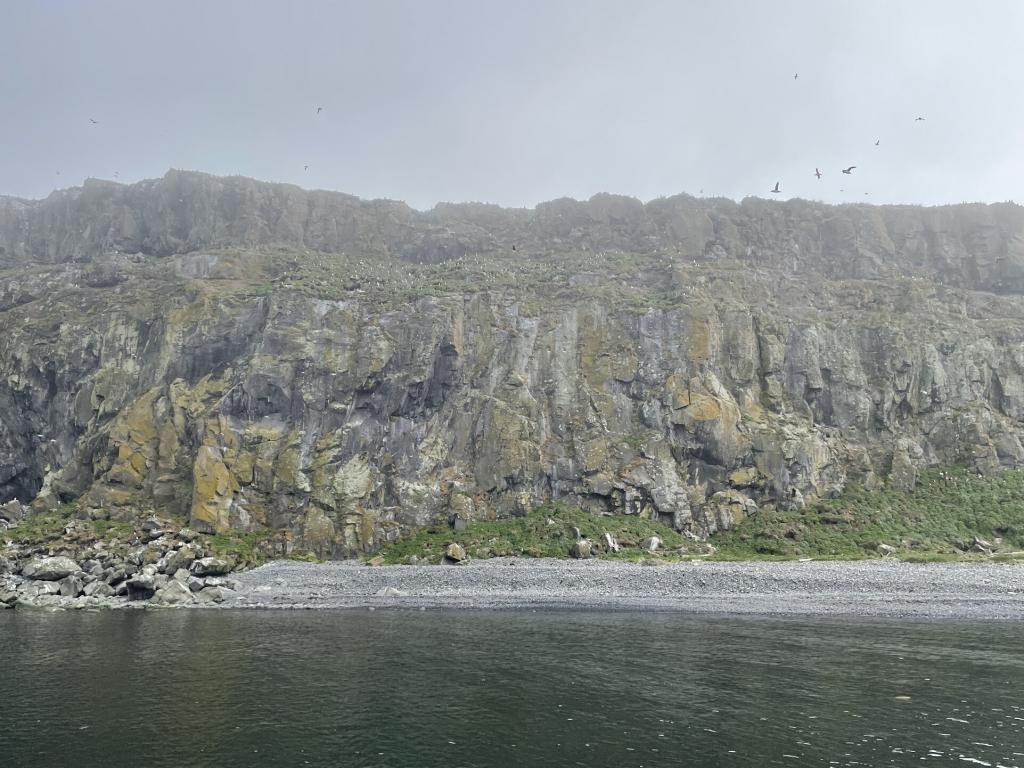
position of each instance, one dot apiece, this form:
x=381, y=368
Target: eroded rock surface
x=254, y=356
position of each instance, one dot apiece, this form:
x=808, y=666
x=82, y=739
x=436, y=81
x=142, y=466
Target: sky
x=520, y=101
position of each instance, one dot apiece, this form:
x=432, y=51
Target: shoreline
x=862, y=588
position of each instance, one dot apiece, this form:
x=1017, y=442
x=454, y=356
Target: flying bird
x=319, y=110
x=918, y=119
x=877, y=142
x=93, y=121
x=305, y=167
x=849, y=171
x=796, y=75
x=776, y=188
x=817, y=173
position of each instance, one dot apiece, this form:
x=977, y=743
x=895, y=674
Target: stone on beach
x=50, y=568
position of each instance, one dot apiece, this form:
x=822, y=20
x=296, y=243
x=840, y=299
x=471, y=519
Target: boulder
x=610, y=542
x=196, y=584
x=212, y=595
x=210, y=566
x=8, y=596
x=187, y=535
x=140, y=586
x=50, y=568
x=455, y=553
x=651, y=543
x=581, y=549
x=173, y=593
x=71, y=586
x=181, y=558
x=886, y=549
x=98, y=589
x=981, y=545
x=12, y=511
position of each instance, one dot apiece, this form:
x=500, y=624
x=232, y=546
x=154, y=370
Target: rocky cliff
x=251, y=355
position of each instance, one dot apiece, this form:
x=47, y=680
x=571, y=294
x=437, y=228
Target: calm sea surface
x=396, y=688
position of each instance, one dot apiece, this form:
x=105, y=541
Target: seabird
x=918, y=119
x=95, y=123
x=305, y=167
x=513, y=247
x=796, y=75
x=776, y=188
x=319, y=110
x=849, y=171
x=817, y=173
x=877, y=142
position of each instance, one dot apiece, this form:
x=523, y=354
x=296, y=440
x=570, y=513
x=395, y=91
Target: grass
x=545, y=532
x=934, y=522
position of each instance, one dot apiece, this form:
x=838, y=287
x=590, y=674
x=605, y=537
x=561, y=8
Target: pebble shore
x=881, y=588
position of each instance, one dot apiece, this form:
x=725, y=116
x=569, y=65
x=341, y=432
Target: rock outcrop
x=253, y=356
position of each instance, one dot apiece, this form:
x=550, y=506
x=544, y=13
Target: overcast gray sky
x=516, y=102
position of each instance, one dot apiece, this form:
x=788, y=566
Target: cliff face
x=253, y=355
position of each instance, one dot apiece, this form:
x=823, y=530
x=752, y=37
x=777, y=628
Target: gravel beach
x=818, y=588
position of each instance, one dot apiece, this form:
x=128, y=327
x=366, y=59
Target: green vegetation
x=247, y=549
x=937, y=521
x=545, y=532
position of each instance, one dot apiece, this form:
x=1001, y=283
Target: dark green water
x=225, y=689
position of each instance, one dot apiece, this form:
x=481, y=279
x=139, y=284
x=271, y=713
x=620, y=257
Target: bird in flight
x=918, y=119
x=817, y=173
x=849, y=171
x=776, y=190
x=305, y=167
x=877, y=142
x=319, y=110
x=93, y=121
x=796, y=75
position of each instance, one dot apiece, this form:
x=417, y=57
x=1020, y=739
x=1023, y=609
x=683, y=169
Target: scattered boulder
x=610, y=542
x=98, y=589
x=581, y=549
x=71, y=586
x=8, y=596
x=390, y=592
x=152, y=529
x=210, y=566
x=980, y=545
x=455, y=553
x=187, y=535
x=173, y=593
x=50, y=568
x=141, y=586
x=885, y=550
x=376, y=560
x=212, y=595
x=195, y=584
x=651, y=543
x=12, y=511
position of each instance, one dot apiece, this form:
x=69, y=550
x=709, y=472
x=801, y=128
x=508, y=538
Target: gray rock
x=455, y=553
x=187, y=535
x=180, y=558
x=98, y=589
x=212, y=595
x=886, y=549
x=390, y=592
x=116, y=576
x=610, y=543
x=581, y=549
x=141, y=586
x=195, y=584
x=8, y=596
x=173, y=592
x=50, y=568
x=71, y=586
x=12, y=511
x=211, y=566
